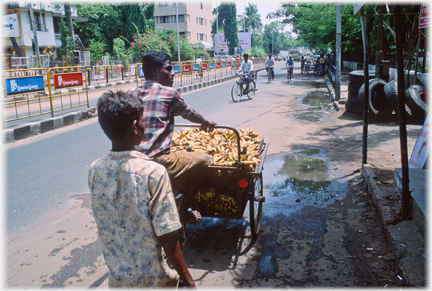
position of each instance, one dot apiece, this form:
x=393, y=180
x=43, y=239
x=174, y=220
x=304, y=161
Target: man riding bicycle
x=269, y=64
x=246, y=67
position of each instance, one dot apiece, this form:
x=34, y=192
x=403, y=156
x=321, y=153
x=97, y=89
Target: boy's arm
x=171, y=245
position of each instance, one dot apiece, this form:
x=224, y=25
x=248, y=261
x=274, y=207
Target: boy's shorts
x=182, y=166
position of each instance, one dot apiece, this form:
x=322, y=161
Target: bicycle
x=290, y=73
x=317, y=70
x=269, y=74
x=239, y=89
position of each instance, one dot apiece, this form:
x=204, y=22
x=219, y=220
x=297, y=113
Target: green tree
x=108, y=21
x=227, y=20
x=66, y=48
x=96, y=49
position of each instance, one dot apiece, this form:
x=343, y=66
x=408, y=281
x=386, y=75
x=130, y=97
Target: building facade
x=195, y=20
x=17, y=25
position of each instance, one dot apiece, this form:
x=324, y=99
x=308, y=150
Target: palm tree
x=251, y=18
x=252, y=21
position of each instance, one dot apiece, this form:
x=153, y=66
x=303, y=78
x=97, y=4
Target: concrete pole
x=217, y=25
x=33, y=25
x=178, y=34
x=338, y=51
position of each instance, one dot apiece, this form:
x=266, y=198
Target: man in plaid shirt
x=161, y=104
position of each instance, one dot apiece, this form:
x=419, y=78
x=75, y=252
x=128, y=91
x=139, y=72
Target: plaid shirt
x=161, y=104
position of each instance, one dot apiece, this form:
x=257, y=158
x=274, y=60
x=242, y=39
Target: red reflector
x=243, y=183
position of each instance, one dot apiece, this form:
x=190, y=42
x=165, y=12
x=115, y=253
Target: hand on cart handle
x=209, y=126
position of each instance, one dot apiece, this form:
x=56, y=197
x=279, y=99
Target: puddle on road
x=318, y=106
x=302, y=177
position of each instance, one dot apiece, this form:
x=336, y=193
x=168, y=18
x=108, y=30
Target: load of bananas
x=208, y=199
x=221, y=144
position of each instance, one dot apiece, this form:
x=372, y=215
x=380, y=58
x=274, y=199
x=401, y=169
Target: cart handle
x=239, y=150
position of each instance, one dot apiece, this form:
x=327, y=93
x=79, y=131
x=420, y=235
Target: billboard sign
x=420, y=151
x=176, y=69
x=211, y=66
x=68, y=80
x=244, y=42
x=196, y=67
x=424, y=16
x=10, y=25
x=186, y=68
x=204, y=66
x=140, y=73
x=24, y=85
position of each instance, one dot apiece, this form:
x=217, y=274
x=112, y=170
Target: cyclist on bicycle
x=246, y=67
x=269, y=64
x=290, y=64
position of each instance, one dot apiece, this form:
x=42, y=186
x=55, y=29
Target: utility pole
x=338, y=51
x=272, y=42
x=178, y=34
x=34, y=34
x=217, y=24
x=69, y=22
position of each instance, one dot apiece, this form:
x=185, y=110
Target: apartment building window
x=39, y=19
x=181, y=18
x=201, y=5
x=164, y=19
x=200, y=36
x=163, y=4
x=200, y=21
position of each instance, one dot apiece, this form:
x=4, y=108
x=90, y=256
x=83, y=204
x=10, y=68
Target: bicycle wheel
x=290, y=75
x=251, y=92
x=255, y=207
x=317, y=71
x=269, y=76
x=236, y=92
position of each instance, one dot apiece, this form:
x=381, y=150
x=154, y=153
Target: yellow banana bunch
x=221, y=144
x=208, y=199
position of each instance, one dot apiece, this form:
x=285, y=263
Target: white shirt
x=246, y=67
x=269, y=62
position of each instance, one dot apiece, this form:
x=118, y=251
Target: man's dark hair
x=117, y=111
x=153, y=59
x=246, y=55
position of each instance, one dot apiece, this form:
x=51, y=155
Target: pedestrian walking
x=302, y=64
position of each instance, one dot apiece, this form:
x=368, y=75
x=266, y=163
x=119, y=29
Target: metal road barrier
x=37, y=91
x=192, y=72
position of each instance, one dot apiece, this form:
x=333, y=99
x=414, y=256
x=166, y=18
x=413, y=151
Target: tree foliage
x=66, y=48
x=108, y=21
x=315, y=25
x=227, y=20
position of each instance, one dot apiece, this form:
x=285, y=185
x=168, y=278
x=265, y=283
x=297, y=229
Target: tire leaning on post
x=378, y=104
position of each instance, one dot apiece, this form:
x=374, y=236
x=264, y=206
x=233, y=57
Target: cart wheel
x=255, y=207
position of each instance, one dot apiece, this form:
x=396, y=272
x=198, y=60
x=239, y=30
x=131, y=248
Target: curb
x=404, y=237
x=24, y=131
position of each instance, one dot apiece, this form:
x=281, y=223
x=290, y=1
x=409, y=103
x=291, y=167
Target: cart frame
x=248, y=184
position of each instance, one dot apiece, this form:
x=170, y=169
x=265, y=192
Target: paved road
x=52, y=239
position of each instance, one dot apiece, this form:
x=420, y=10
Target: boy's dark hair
x=117, y=111
x=246, y=55
x=153, y=59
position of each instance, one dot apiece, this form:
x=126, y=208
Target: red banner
x=68, y=80
x=218, y=64
x=204, y=66
x=424, y=16
x=186, y=68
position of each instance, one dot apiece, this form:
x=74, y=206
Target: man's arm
x=171, y=245
x=197, y=118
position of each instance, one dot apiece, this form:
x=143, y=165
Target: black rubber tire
x=352, y=98
x=418, y=106
x=378, y=103
x=358, y=76
x=255, y=207
x=360, y=97
x=390, y=92
x=354, y=87
x=251, y=92
x=236, y=92
x=353, y=108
